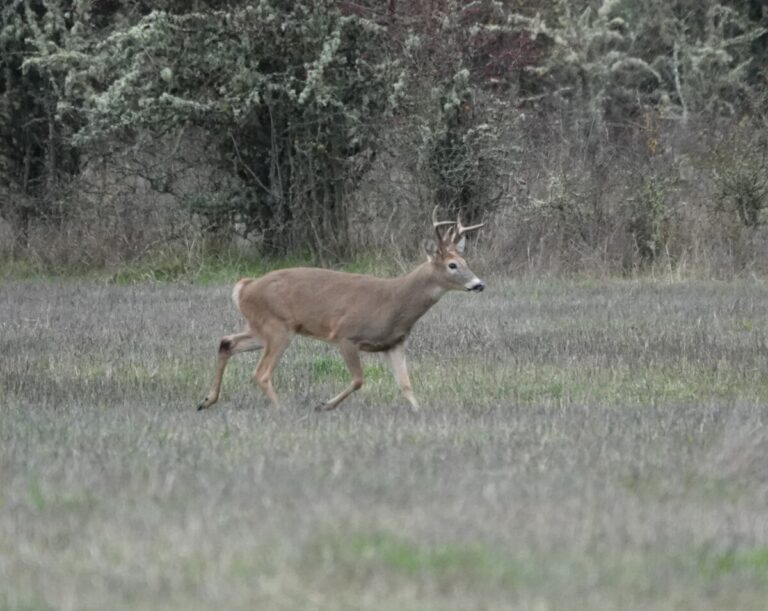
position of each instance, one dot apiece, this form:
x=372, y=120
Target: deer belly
x=379, y=345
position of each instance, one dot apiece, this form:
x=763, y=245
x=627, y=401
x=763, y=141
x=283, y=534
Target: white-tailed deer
x=353, y=311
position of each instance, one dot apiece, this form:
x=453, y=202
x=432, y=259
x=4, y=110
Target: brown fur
x=353, y=311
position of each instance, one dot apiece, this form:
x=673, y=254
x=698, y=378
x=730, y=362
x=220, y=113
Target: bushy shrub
x=290, y=97
x=741, y=175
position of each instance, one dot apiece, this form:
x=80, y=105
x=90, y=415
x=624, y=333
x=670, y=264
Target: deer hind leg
x=352, y=358
x=229, y=345
x=274, y=347
x=400, y=371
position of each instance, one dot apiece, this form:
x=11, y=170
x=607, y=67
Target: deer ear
x=461, y=244
x=430, y=249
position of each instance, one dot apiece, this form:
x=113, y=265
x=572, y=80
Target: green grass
x=749, y=561
x=582, y=445
x=203, y=269
x=371, y=552
x=326, y=368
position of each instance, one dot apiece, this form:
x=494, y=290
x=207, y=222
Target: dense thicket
x=614, y=132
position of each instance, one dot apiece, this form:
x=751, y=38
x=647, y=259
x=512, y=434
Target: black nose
x=479, y=288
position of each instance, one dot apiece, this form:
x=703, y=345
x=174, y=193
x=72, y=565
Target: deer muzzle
x=476, y=286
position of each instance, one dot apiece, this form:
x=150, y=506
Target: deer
x=354, y=312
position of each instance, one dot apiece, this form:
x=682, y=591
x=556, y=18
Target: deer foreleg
x=400, y=371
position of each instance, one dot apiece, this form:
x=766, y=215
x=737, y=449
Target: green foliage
x=462, y=134
x=591, y=62
x=741, y=176
x=261, y=119
x=461, y=154
x=34, y=156
x=290, y=94
x=649, y=224
x=627, y=56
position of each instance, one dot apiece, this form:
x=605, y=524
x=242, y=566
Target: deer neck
x=418, y=291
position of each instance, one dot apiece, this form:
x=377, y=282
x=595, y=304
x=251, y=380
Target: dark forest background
x=614, y=136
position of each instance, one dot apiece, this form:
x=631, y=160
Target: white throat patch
x=437, y=292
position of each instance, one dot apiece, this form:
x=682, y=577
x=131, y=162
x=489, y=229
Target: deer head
x=450, y=267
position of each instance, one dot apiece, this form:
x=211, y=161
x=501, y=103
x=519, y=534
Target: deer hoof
x=324, y=407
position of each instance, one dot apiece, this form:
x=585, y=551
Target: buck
x=353, y=311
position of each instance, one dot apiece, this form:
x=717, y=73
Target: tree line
x=287, y=122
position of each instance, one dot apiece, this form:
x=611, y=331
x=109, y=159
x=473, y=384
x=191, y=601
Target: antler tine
x=437, y=224
x=461, y=229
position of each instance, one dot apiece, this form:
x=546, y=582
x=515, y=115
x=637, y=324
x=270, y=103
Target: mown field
x=582, y=445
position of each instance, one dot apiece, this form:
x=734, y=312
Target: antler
x=437, y=224
x=461, y=229
x=455, y=233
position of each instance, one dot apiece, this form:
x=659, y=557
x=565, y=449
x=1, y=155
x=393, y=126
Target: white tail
x=353, y=311
x=236, y=290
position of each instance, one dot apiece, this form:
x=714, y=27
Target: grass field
x=582, y=445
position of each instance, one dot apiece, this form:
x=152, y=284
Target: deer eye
x=452, y=266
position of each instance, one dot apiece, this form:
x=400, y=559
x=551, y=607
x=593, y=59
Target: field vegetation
x=593, y=431
x=582, y=444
